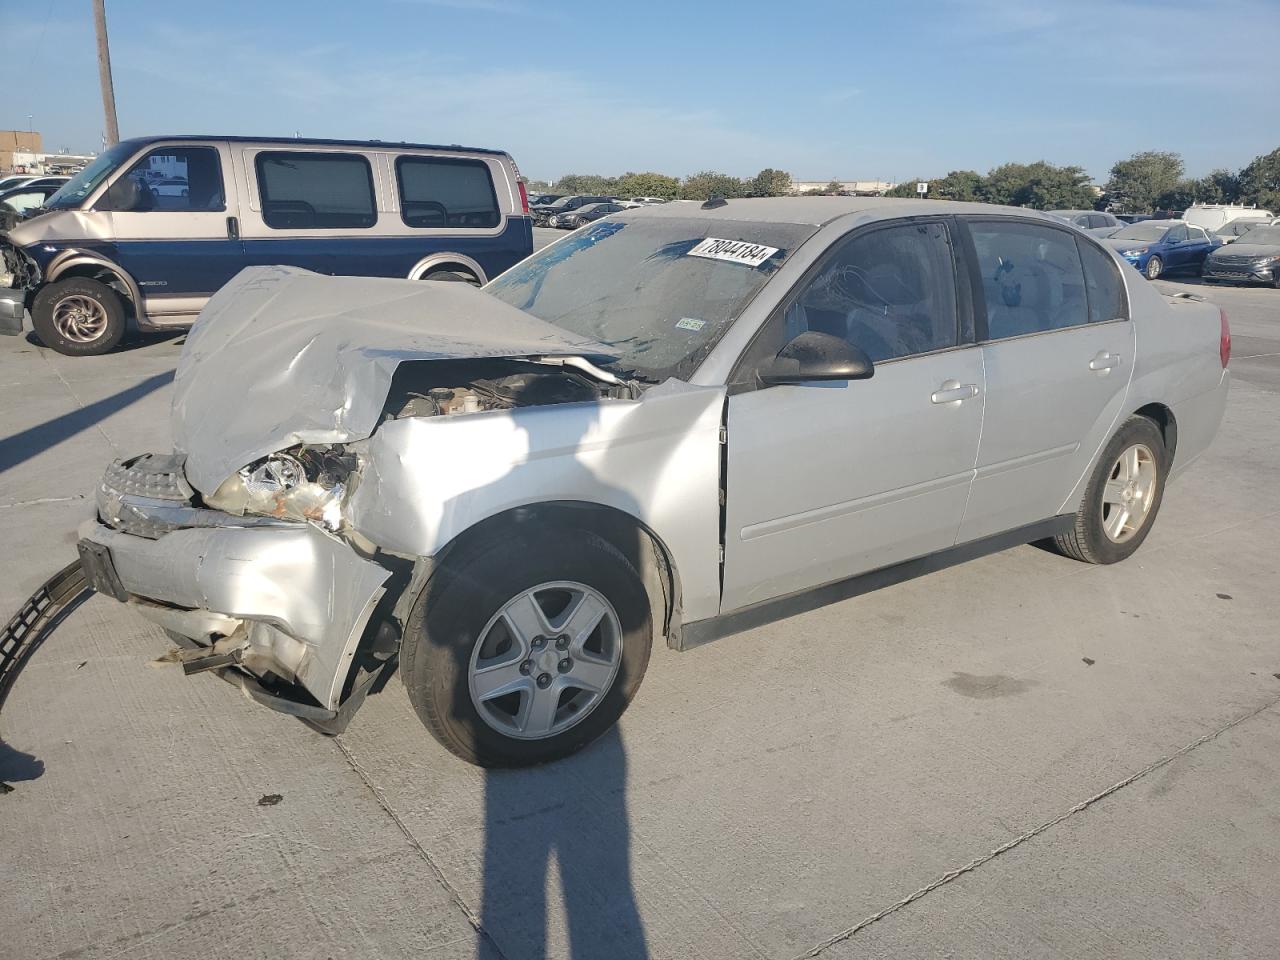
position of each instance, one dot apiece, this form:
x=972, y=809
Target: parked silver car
x=679, y=422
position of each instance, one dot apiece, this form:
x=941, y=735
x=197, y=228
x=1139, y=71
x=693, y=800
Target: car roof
x=819, y=211
x=316, y=142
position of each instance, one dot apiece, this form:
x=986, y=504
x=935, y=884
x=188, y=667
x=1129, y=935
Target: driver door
x=828, y=480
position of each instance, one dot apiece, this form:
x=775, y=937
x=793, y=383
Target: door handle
x=233, y=228
x=1104, y=361
x=953, y=391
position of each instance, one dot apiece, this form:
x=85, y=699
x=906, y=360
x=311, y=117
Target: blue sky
x=885, y=90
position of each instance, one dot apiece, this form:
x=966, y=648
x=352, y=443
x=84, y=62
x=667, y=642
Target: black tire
x=470, y=588
x=457, y=276
x=46, y=303
x=1087, y=541
x=1154, y=268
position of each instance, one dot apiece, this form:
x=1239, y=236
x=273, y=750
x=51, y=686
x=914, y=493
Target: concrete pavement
x=765, y=796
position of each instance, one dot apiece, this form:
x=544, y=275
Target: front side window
x=890, y=292
x=316, y=191
x=169, y=180
x=1032, y=278
x=446, y=192
x=1176, y=235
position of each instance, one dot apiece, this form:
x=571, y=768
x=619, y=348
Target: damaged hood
x=281, y=356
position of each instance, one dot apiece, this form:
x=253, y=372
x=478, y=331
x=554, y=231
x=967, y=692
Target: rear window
x=316, y=191
x=446, y=192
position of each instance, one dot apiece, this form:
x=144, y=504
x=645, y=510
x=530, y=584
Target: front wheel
x=1122, y=498
x=523, y=649
x=79, y=317
x=1155, y=267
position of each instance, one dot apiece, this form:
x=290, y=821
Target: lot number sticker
x=734, y=251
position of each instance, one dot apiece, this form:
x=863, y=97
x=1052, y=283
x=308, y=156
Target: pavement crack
x=1080, y=807
x=422, y=852
x=39, y=500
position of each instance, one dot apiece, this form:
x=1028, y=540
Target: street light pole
x=104, y=73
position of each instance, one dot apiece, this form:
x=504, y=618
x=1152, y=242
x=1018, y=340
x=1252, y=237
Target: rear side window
x=1103, y=284
x=446, y=192
x=316, y=191
x=1032, y=278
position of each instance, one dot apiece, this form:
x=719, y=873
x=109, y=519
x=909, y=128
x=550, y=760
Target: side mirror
x=817, y=356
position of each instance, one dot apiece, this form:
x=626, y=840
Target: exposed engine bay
x=452, y=387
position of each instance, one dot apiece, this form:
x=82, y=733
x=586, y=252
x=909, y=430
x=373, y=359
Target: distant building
x=17, y=141
x=857, y=188
x=49, y=163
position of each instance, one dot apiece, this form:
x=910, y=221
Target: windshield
x=1266, y=235
x=638, y=286
x=1146, y=232
x=74, y=191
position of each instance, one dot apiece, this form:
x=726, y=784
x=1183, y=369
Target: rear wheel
x=79, y=317
x=1155, y=267
x=455, y=275
x=524, y=649
x=1122, y=498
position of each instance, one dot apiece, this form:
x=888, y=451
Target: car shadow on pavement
x=574, y=813
x=24, y=445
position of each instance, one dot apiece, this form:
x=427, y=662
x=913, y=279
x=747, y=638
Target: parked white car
x=674, y=423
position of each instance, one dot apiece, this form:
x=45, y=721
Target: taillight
x=1224, y=344
x=524, y=197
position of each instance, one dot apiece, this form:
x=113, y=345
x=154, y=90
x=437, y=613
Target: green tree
x=700, y=186
x=1260, y=181
x=963, y=185
x=589, y=183
x=1136, y=184
x=648, y=185
x=1039, y=185
x=907, y=189
x=769, y=183
x=1181, y=196
x=1220, y=186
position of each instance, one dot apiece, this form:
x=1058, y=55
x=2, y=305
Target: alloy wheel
x=545, y=660
x=1129, y=492
x=80, y=319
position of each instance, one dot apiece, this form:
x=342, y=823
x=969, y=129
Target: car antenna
x=713, y=201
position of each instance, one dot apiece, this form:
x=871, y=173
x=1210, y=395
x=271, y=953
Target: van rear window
x=315, y=191
x=446, y=192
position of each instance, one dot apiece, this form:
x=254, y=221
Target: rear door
x=179, y=244
x=1058, y=352
x=828, y=480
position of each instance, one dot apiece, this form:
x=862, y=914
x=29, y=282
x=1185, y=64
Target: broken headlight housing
x=301, y=483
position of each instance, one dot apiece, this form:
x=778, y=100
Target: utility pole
x=104, y=73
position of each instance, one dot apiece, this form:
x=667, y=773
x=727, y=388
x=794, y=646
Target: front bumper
x=1239, y=273
x=286, y=599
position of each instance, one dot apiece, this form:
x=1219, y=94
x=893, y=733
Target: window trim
x=980, y=293
x=742, y=377
x=264, y=199
x=163, y=149
x=453, y=161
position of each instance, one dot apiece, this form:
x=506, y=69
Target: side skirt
x=780, y=608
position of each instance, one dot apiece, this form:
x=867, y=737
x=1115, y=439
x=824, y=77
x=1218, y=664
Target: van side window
x=1032, y=278
x=1103, y=284
x=315, y=191
x=446, y=192
x=169, y=179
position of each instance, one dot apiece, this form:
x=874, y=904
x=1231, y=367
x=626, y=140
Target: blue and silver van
x=149, y=230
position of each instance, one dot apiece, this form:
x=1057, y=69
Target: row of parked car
x=568, y=212
x=1194, y=242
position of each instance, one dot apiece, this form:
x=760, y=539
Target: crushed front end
x=19, y=276
x=278, y=605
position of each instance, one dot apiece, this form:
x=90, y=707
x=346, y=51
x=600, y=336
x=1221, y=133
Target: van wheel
x=78, y=317
x=1123, y=496
x=460, y=276
x=525, y=648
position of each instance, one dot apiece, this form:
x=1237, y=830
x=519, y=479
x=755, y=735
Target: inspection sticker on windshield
x=734, y=251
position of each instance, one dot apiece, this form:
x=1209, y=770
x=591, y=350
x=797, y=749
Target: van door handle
x=1104, y=361
x=953, y=391
x=233, y=228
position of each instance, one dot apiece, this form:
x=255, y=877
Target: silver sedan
x=675, y=423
